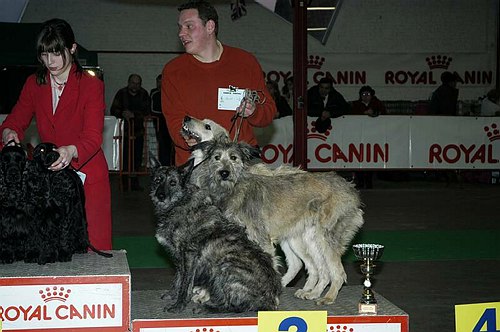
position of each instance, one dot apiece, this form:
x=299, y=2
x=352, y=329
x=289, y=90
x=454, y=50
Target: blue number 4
x=489, y=318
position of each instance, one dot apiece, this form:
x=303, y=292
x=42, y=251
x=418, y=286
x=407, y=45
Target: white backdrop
x=390, y=142
x=354, y=142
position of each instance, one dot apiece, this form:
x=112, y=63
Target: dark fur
x=312, y=216
x=43, y=211
x=57, y=208
x=210, y=252
x=14, y=229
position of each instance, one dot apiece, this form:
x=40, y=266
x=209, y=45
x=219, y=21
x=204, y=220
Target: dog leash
x=251, y=96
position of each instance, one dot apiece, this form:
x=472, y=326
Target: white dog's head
x=202, y=131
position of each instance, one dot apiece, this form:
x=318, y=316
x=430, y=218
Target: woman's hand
x=9, y=135
x=66, y=155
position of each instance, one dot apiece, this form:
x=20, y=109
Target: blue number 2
x=294, y=321
x=489, y=318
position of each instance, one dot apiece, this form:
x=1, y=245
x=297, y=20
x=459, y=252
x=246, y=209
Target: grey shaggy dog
x=212, y=254
x=312, y=216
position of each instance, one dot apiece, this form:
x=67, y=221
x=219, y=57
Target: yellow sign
x=291, y=321
x=478, y=317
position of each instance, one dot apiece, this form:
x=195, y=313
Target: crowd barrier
x=362, y=142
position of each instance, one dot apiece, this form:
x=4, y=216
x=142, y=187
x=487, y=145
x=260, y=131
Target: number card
x=478, y=317
x=229, y=99
x=291, y=321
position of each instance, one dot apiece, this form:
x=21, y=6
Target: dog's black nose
x=224, y=174
x=187, y=118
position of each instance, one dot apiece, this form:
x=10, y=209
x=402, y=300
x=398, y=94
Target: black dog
x=56, y=208
x=42, y=211
x=61, y=217
x=211, y=253
x=14, y=226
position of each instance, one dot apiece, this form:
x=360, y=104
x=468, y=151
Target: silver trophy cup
x=368, y=253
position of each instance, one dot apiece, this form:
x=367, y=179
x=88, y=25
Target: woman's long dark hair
x=55, y=36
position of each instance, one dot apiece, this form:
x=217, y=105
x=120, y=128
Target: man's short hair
x=206, y=11
x=326, y=80
x=131, y=76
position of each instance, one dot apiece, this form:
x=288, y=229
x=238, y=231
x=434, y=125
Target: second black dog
x=14, y=226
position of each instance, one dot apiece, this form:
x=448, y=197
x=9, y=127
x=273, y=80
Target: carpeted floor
x=442, y=245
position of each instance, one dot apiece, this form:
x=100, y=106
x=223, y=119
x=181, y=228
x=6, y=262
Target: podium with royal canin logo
x=93, y=293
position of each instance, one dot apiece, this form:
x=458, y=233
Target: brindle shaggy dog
x=211, y=253
x=313, y=216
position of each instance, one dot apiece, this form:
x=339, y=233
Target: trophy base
x=367, y=308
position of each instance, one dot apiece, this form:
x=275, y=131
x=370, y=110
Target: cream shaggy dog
x=312, y=216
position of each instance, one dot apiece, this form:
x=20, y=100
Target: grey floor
x=427, y=290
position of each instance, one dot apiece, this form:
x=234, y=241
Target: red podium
x=90, y=293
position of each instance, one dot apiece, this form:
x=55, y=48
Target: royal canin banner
x=362, y=142
x=389, y=142
x=394, y=76
x=381, y=323
x=89, y=305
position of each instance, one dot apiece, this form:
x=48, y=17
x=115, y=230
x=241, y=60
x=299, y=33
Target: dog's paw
x=167, y=296
x=300, y=294
x=305, y=295
x=200, y=295
x=325, y=301
x=199, y=310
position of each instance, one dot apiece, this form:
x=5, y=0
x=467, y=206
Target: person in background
x=281, y=105
x=490, y=105
x=287, y=91
x=444, y=99
x=165, y=155
x=193, y=81
x=132, y=103
x=68, y=105
x=366, y=104
x=324, y=103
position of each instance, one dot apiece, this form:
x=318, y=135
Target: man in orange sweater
x=193, y=82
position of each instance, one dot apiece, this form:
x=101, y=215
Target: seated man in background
x=324, y=102
x=444, y=99
x=132, y=103
x=165, y=149
x=368, y=103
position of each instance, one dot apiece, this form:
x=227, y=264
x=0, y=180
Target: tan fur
x=313, y=216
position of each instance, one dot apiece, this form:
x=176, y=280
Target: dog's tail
x=99, y=252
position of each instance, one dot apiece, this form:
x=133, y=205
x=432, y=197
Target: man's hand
x=325, y=115
x=249, y=107
x=128, y=114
